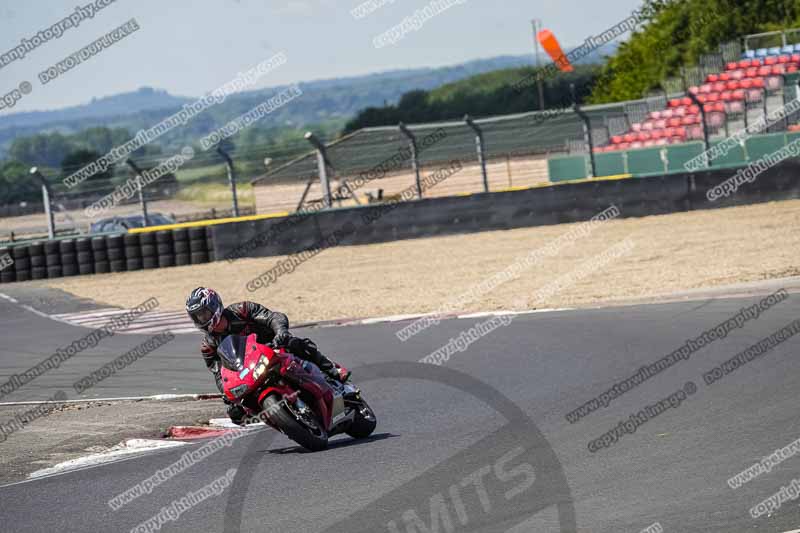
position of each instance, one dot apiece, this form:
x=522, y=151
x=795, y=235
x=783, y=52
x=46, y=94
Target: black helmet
x=205, y=308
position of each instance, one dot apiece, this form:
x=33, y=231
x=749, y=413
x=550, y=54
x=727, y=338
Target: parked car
x=123, y=224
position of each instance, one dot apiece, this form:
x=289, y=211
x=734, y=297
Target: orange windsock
x=553, y=49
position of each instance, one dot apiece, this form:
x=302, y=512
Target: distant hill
x=322, y=100
x=144, y=99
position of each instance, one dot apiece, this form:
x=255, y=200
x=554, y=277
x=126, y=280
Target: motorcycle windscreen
x=231, y=352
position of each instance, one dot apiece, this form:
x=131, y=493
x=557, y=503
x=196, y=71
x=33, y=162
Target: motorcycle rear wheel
x=364, y=422
x=309, y=433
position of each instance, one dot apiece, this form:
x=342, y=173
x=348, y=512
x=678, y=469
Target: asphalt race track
x=478, y=444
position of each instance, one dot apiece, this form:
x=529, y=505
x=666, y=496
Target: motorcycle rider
x=205, y=308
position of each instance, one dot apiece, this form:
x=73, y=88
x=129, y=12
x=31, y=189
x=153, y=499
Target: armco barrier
x=567, y=202
x=104, y=253
x=571, y=202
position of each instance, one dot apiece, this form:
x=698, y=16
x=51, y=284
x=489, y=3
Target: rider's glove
x=281, y=338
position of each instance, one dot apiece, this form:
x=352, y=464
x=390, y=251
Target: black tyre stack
x=69, y=258
x=22, y=262
x=198, y=245
x=38, y=260
x=100, y=252
x=83, y=246
x=165, y=247
x=52, y=256
x=181, y=239
x=116, y=253
x=8, y=274
x=133, y=251
x=149, y=250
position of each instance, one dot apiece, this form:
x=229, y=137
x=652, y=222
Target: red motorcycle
x=290, y=394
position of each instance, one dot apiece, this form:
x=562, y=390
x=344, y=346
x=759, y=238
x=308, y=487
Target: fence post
x=587, y=129
x=142, y=200
x=706, y=145
x=481, y=153
x=414, y=155
x=48, y=208
x=322, y=166
x=231, y=178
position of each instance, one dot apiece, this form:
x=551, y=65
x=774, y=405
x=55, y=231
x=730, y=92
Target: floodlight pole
x=480, y=146
x=414, y=155
x=587, y=128
x=705, y=124
x=142, y=201
x=48, y=208
x=322, y=166
x=231, y=178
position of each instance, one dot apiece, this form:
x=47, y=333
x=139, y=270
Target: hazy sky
x=190, y=47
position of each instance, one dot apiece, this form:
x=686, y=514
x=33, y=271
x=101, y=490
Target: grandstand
x=657, y=134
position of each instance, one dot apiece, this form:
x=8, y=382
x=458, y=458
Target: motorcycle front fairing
x=244, y=365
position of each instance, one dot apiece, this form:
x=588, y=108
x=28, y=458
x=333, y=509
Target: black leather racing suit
x=245, y=318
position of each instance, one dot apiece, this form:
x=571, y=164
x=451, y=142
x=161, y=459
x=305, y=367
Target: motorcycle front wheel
x=300, y=425
x=364, y=422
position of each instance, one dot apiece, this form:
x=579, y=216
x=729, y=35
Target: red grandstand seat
x=694, y=89
x=738, y=94
x=777, y=70
x=636, y=126
x=676, y=121
x=754, y=95
x=624, y=146
x=737, y=75
x=629, y=137
x=756, y=62
x=680, y=132
x=680, y=111
x=668, y=113
x=702, y=98
x=764, y=71
x=712, y=97
x=647, y=126
x=752, y=72
x=735, y=107
x=795, y=58
x=643, y=135
x=706, y=88
x=675, y=102
x=695, y=132
x=719, y=107
x=774, y=82
x=719, y=86
x=686, y=101
x=746, y=83
x=724, y=76
x=712, y=78
x=744, y=63
x=660, y=124
x=732, y=85
x=771, y=60
x=794, y=127
x=688, y=120
x=657, y=134
x=693, y=110
x=791, y=69
x=733, y=65
x=649, y=143
x=708, y=108
x=759, y=82
x=617, y=139
x=784, y=59
x=726, y=96
x=655, y=114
